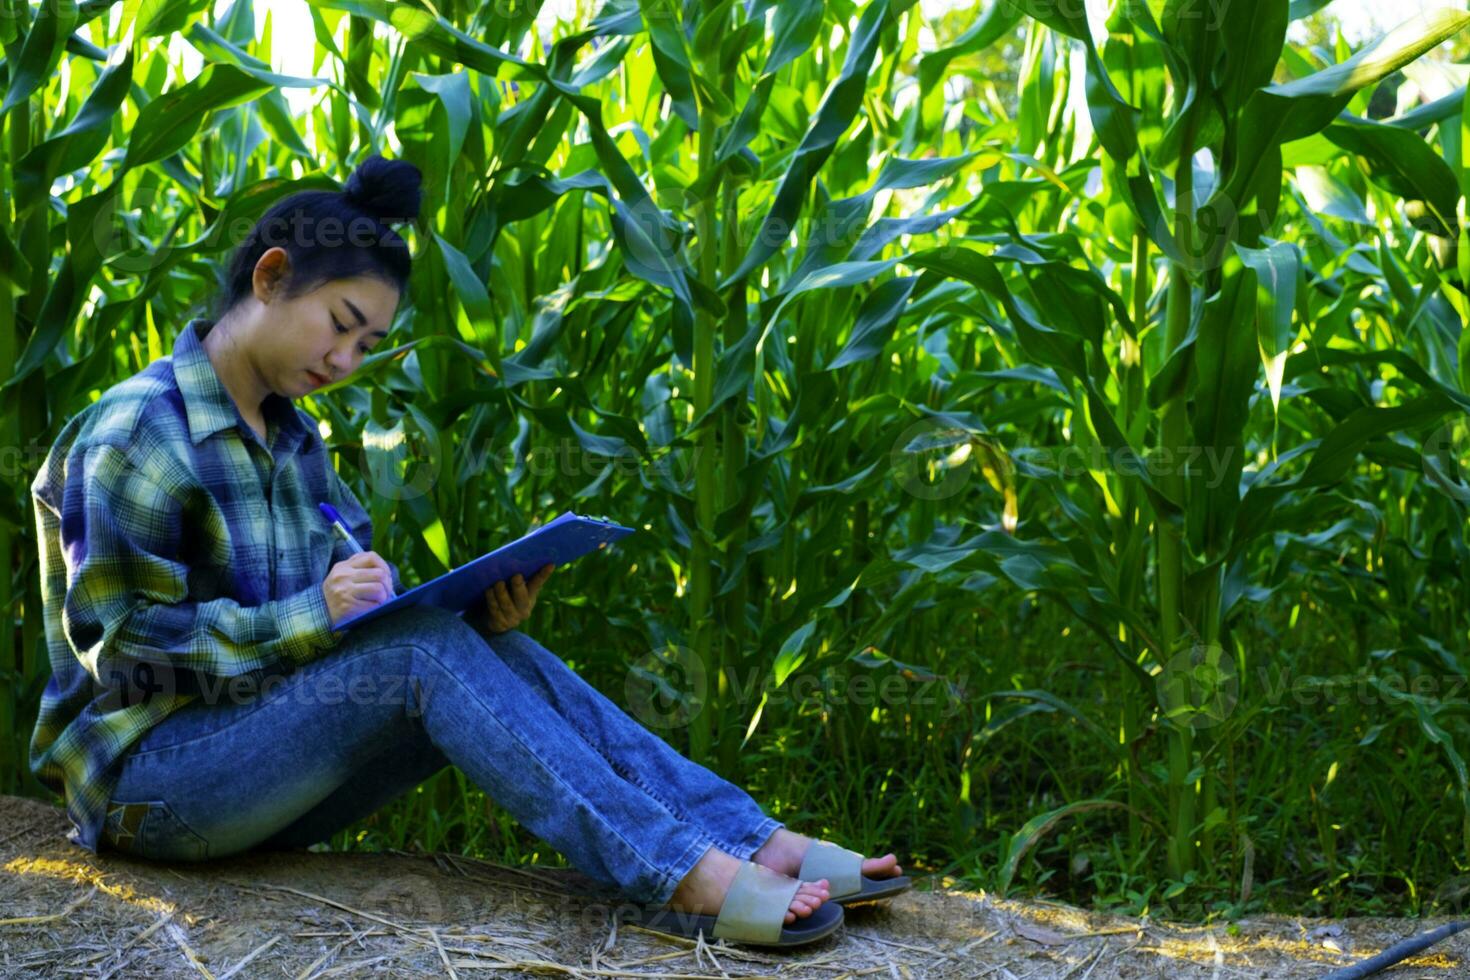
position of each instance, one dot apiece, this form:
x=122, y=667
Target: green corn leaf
x=155, y=18
x=1291, y=110
x=40, y=53
x=1031, y=833
x=661, y=18
x=832, y=119
x=1277, y=269
x=1068, y=18
x=1401, y=162
x=79, y=142
x=453, y=91
x=170, y=121
x=792, y=652
x=431, y=33
x=1341, y=446
x=999, y=19
x=1062, y=706
x=795, y=27
x=1253, y=33
x=1225, y=357
x=469, y=288
x=875, y=322
x=1305, y=8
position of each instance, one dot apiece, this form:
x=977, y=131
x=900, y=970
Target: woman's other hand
x=507, y=606
x=357, y=584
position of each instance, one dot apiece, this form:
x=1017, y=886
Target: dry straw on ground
x=65, y=912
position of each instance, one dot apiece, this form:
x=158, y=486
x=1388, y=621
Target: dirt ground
x=66, y=912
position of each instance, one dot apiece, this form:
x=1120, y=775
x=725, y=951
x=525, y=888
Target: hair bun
x=389, y=190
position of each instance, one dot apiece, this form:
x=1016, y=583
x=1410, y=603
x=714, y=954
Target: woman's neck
x=225, y=345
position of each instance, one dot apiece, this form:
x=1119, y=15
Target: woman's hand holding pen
x=507, y=607
x=357, y=584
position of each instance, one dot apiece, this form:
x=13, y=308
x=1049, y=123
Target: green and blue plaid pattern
x=177, y=551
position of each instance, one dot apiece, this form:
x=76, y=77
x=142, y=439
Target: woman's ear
x=271, y=271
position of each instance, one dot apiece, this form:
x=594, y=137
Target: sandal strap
x=842, y=868
x=755, y=907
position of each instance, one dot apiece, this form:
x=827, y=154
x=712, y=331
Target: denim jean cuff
x=756, y=838
x=669, y=883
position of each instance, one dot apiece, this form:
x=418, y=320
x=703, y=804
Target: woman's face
x=322, y=336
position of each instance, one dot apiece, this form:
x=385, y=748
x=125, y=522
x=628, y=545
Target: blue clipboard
x=563, y=540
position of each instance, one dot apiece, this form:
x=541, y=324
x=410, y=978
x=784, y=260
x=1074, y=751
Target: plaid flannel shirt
x=176, y=552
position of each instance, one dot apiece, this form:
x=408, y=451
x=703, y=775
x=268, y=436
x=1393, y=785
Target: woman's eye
x=341, y=329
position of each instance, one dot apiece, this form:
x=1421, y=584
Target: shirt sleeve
x=358, y=522
x=127, y=589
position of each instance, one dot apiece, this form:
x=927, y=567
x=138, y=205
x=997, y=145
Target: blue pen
x=330, y=513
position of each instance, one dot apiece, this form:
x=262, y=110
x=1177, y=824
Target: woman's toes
x=882, y=867
x=808, y=899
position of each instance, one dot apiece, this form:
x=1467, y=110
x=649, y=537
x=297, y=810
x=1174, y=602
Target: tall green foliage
x=1169, y=338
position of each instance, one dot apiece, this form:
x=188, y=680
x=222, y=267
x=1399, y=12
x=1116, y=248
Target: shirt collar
x=208, y=405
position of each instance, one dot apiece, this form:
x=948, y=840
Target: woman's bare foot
x=785, y=850
x=703, y=890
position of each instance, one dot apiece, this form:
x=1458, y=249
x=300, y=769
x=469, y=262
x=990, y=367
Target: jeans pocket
x=151, y=829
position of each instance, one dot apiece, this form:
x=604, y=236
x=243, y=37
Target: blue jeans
x=294, y=758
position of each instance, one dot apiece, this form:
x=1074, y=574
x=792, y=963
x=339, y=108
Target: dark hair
x=333, y=234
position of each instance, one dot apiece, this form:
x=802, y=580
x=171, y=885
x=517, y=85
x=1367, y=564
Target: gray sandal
x=754, y=912
x=845, y=879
